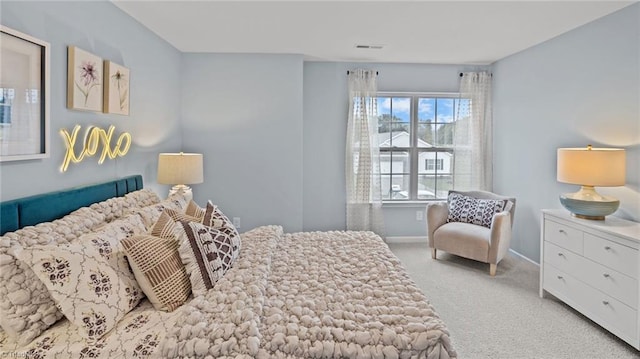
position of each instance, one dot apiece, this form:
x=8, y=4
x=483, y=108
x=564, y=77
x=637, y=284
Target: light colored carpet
x=503, y=316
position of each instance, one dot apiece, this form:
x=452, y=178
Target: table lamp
x=590, y=167
x=180, y=169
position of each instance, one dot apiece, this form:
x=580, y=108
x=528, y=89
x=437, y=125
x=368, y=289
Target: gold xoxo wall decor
x=95, y=137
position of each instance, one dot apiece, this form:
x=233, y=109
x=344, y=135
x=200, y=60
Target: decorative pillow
x=150, y=214
x=158, y=269
x=473, y=210
x=86, y=289
x=176, y=216
x=213, y=217
x=194, y=210
x=26, y=308
x=207, y=254
x=108, y=242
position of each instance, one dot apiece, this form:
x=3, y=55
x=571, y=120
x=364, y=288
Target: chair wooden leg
x=433, y=253
x=492, y=269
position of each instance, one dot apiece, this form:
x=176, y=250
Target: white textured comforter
x=302, y=295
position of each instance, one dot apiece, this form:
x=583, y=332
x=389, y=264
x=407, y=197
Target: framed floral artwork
x=24, y=96
x=84, y=80
x=116, y=88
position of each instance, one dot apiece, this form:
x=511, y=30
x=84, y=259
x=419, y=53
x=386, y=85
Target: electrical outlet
x=236, y=222
x=419, y=215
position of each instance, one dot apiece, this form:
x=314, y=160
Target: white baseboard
x=523, y=257
x=406, y=239
x=418, y=239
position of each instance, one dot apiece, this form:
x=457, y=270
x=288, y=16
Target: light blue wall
x=272, y=127
x=103, y=29
x=324, y=137
x=244, y=113
x=577, y=89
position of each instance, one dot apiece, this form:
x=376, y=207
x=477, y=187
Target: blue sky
x=400, y=107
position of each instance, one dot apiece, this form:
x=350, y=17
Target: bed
x=334, y=294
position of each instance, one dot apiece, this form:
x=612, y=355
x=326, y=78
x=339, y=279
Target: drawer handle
x=560, y=254
x=606, y=275
x=560, y=277
x=607, y=248
x=605, y=302
x=562, y=231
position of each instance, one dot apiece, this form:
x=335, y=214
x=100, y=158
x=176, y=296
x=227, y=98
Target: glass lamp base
x=588, y=204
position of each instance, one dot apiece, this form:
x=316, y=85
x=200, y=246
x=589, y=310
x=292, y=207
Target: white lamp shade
x=603, y=167
x=180, y=168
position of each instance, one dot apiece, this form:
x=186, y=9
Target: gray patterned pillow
x=473, y=210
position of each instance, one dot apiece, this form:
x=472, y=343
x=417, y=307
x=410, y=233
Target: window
x=430, y=164
x=415, y=136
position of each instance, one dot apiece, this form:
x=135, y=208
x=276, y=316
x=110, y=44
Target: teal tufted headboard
x=46, y=207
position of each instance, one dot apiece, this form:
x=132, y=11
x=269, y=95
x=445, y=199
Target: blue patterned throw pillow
x=473, y=210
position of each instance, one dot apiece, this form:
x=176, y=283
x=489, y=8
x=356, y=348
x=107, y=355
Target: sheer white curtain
x=473, y=134
x=364, y=199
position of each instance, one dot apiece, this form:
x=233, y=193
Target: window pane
x=395, y=167
x=444, y=134
x=400, y=134
x=426, y=135
x=385, y=162
x=384, y=106
x=434, y=186
x=396, y=185
x=401, y=109
x=394, y=121
x=400, y=162
x=426, y=109
x=385, y=186
x=444, y=110
x=435, y=162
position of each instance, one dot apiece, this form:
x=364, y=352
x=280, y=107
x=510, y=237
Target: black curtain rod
x=462, y=74
x=348, y=72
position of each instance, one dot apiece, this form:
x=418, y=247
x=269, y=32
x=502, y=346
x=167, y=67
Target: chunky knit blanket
x=310, y=295
x=302, y=295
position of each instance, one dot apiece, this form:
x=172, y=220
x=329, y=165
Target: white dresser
x=593, y=266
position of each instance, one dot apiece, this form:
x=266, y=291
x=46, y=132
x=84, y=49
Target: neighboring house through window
x=416, y=140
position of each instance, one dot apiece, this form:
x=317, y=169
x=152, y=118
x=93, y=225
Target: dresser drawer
x=563, y=236
x=612, y=314
x=563, y=259
x=612, y=282
x=613, y=255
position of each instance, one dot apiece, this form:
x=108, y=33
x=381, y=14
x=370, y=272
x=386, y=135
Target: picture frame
x=24, y=96
x=116, y=88
x=84, y=80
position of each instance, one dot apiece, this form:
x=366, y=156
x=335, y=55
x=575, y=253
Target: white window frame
x=414, y=151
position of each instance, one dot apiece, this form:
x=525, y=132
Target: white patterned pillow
x=85, y=287
x=150, y=214
x=207, y=254
x=473, y=210
x=108, y=242
x=26, y=308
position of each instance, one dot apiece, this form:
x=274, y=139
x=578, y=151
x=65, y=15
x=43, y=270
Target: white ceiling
x=437, y=32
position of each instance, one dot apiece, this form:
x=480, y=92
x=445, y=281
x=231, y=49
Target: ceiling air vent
x=372, y=47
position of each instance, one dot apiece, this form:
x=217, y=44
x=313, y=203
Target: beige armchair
x=488, y=245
